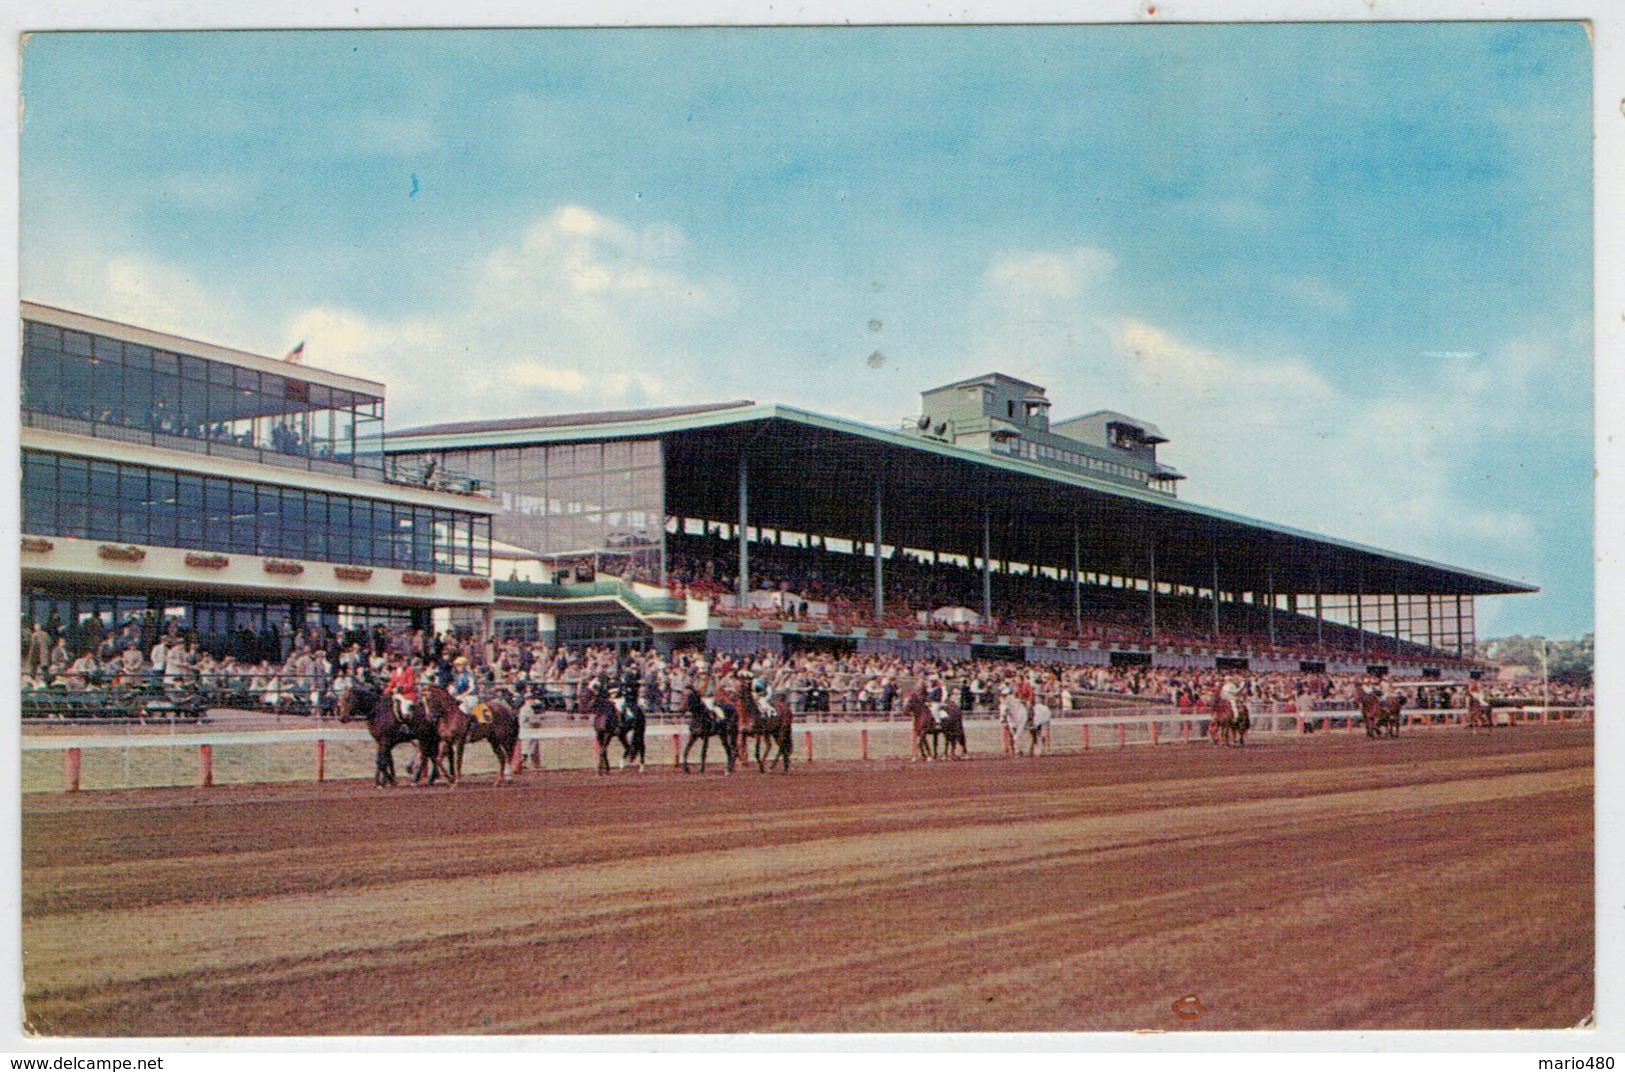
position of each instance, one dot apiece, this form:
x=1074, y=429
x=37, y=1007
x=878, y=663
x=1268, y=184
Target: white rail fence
x=203, y=758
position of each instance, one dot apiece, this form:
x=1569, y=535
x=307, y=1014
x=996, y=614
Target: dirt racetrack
x=1436, y=881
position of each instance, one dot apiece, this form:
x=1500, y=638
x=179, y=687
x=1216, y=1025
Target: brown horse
x=1231, y=721
x=773, y=729
x=927, y=728
x=502, y=731
x=1381, y=716
x=613, y=720
x=388, y=731
x=704, y=724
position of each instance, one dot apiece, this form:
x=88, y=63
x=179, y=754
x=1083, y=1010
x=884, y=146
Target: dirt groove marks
x=61, y=948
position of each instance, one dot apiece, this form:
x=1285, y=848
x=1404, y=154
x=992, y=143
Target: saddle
x=481, y=712
x=939, y=712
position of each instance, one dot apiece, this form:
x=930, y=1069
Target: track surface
x=1439, y=881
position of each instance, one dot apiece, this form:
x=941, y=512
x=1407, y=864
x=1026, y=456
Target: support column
x=1359, y=614
x=1320, y=640
x=744, y=521
x=1396, y=623
x=1153, y=590
x=1271, y=614
x=1215, y=593
x=880, y=579
x=1077, y=582
x=987, y=567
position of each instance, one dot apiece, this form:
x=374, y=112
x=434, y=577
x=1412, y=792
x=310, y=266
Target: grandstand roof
x=562, y=420
x=809, y=472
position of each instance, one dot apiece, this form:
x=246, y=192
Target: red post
x=536, y=752
x=70, y=770
x=1006, y=740
x=676, y=751
x=1154, y=739
x=807, y=737
x=1185, y=732
x=205, y=765
x=321, y=759
x=1086, y=736
x=1122, y=735
x=863, y=743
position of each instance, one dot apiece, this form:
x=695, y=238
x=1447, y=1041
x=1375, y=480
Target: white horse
x=1019, y=718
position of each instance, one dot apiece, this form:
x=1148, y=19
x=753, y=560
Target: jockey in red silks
x=1024, y=690
x=403, y=686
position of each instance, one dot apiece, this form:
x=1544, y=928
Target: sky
x=1345, y=268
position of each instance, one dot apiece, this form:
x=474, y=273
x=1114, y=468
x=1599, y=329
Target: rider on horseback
x=464, y=690
x=936, y=696
x=402, y=687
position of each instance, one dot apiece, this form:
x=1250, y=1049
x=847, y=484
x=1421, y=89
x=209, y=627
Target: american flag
x=297, y=354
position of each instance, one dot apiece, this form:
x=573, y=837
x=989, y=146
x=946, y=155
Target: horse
x=388, y=731
x=1231, y=721
x=1381, y=716
x=615, y=720
x=1020, y=717
x=706, y=722
x=773, y=728
x=1479, y=713
x=928, y=728
x=502, y=731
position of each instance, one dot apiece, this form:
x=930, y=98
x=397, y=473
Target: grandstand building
x=976, y=528
x=167, y=482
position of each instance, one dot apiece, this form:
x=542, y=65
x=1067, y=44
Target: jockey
x=403, y=687
x=464, y=690
x=935, y=695
x=1024, y=690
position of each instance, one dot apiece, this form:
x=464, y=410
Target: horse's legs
x=689, y=747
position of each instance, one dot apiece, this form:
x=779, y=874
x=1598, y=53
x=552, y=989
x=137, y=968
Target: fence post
x=1122, y=735
x=321, y=759
x=863, y=743
x=806, y=735
x=1154, y=731
x=1185, y=732
x=70, y=770
x=1086, y=736
x=1006, y=741
x=676, y=751
x=205, y=765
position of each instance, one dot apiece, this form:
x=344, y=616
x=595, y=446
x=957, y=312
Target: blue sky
x=1345, y=268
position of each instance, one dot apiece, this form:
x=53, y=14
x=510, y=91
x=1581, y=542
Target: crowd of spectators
x=319, y=663
x=802, y=583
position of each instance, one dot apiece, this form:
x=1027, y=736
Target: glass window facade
x=64, y=495
x=244, y=628
x=98, y=386
x=605, y=499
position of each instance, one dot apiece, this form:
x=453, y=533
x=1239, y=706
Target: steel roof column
x=1077, y=580
x=1320, y=640
x=987, y=555
x=1396, y=622
x=1272, y=602
x=744, y=518
x=880, y=586
x=1215, y=591
x=1153, y=589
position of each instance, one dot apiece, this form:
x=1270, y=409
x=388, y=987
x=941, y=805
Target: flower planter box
x=418, y=580
x=36, y=546
x=729, y=623
x=905, y=634
x=284, y=567
x=121, y=552
x=475, y=584
x=352, y=573
x=207, y=561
